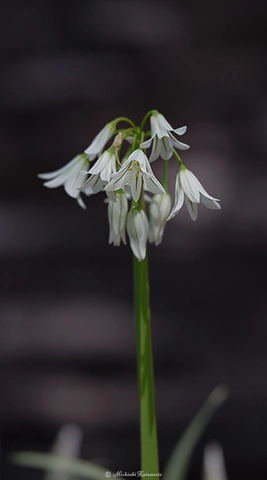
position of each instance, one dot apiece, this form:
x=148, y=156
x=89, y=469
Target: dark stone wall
x=67, y=347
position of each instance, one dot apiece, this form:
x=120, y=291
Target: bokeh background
x=67, y=340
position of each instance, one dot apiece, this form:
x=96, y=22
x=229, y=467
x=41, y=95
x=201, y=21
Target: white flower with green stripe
x=189, y=190
x=117, y=213
x=70, y=176
x=137, y=229
x=137, y=173
x=105, y=165
x=162, y=138
x=97, y=146
x=159, y=209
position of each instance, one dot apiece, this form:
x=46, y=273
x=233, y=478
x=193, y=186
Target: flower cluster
x=128, y=180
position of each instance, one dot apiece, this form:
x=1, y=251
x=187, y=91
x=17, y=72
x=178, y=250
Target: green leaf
x=47, y=461
x=179, y=460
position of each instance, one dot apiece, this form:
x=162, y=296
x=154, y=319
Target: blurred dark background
x=67, y=340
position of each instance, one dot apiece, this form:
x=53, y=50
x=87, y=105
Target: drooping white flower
x=159, y=210
x=105, y=165
x=136, y=172
x=99, y=142
x=93, y=185
x=69, y=176
x=117, y=213
x=162, y=137
x=190, y=190
x=137, y=229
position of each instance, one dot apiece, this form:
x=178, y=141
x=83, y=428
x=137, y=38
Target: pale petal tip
x=170, y=216
x=81, y=202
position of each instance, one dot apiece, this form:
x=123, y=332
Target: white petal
x=139, y=156
x=112, y=234
x=123, y=235
x=159, y=210
x=67, y=167
x=93, y=185
x=179, y=199
x=164, y=205
x=100, y=163
x=118, y=180
x=116, y=216
x=137, y=229
x=164, y=125
x=114, y=208
x=136, y=183
x=109, y=168
x=74, y=181
x=110, y=221
x=200, y=187
x=155, y=128
x=111, y=196
x=100, y=140
x=58, y=181
x=212, y=204
x=124, y=211
x=177, y=144
x=156, y=149
x=127, y=191
x=152, y=184
x=146, y=144
x=180, y=131
x=147, y=167
x=166, y=148
x=189, y=186
x=192, y=208
x=153, y=222
x=81, y=202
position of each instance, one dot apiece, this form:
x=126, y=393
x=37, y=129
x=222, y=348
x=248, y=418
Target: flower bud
x=159, y=210
x=117, y=213
x=137, y=229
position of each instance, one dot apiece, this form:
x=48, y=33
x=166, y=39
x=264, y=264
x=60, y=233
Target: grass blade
x=47, y=461
x=178, y=463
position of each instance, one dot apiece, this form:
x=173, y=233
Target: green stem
x=126, y=119
x=178, y=158
x=165, y=175
x=148, y=425
x=145, y=119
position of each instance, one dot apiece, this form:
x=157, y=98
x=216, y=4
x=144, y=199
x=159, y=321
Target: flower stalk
x=147, y=412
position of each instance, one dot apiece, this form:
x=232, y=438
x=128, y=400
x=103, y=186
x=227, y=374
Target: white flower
x=162, y=137
x=117, y=213
x=188, y=188
x=70, y=176
x=137, y=229
x=99, y=142
x=135, y=172
x=159, y=210
x=105, y=166
x=93, y=185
